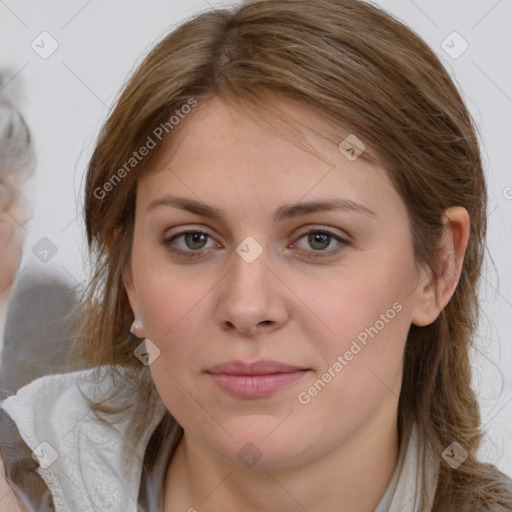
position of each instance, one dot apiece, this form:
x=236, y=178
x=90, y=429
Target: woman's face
x=326, y=295
x=13, y=213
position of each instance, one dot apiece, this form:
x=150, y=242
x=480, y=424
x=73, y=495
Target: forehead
x=277, y=126
x=222, y=151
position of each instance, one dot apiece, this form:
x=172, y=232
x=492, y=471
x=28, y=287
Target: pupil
x=196, y=238
x=320, y=238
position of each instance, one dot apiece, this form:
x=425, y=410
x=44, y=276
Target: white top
x=89, y=467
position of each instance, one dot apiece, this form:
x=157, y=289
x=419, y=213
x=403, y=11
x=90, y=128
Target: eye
x=191, y=242
x=322, y=241
x=194, y=243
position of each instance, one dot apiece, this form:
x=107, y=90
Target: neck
x=355, y=474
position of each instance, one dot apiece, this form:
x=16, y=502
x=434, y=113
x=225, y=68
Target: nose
x=252, y=299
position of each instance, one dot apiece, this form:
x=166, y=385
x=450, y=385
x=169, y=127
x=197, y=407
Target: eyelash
x=310, y=254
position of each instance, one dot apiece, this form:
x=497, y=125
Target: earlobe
x=435, y=291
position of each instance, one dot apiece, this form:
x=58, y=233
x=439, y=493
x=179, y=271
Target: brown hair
x=361, y=69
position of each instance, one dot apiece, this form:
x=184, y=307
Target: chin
x=259, y=444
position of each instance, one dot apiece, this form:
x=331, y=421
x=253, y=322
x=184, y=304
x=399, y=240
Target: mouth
x=257, y=379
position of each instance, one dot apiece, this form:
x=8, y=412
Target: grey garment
x=35, y=496
x=386, y=500
x=160, y=449
x=38, y=332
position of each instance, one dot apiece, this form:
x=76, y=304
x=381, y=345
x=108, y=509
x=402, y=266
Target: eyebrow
x=288, y=211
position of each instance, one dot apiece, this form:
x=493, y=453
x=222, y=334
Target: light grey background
x=68, y=96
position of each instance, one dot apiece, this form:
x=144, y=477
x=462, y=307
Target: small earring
x=137, y=329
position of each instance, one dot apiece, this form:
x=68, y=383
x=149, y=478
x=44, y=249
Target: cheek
x=362, y=361
x=365, y=355
x=368, y=312
x=360, y=299
x=11, y=243
x=170, y=306
x=174, y=304
x=174, y=308
x=165, y=292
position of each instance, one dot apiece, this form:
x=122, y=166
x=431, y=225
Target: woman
x=287, y=214
x=16, y=166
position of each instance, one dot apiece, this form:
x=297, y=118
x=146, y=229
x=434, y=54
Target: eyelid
x=190, y=254
x=302, y=231
x=342, y=235
x=169, y=238
x=343, y=241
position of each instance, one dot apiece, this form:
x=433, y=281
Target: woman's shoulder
x=72, y=448
x=49, y=404
x=66, y=394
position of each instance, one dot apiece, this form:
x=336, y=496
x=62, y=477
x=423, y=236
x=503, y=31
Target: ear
x=434, y=294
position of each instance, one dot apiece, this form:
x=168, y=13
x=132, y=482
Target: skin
x=13, y=214
x=342, y=446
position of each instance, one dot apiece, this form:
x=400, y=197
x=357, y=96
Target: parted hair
x=362, y=71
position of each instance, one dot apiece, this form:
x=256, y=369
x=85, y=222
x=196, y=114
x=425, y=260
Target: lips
x=262, y=367
x=255, y=379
